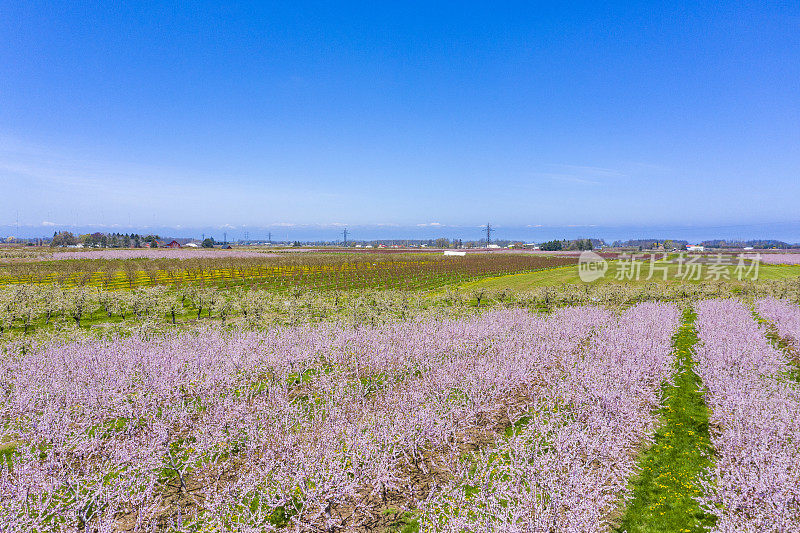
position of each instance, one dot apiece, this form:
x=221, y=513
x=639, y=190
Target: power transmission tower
x=225, y=237
x=269, y=237
x=488, y=234
x=345, y=237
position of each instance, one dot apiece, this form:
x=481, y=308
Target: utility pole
x=345, y=237
x=488, y=234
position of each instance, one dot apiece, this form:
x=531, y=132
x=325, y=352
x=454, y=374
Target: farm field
x=569, y=275
x=374, y=267
x=310, y=270
x=205, y=406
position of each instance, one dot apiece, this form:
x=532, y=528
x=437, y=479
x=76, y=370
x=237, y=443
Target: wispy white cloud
x=571, y=179
x=589, y=170
x=579, y=174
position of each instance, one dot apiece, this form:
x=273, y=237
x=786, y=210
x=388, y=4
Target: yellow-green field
x=569, y=275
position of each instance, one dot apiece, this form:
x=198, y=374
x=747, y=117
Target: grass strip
x=665, y=489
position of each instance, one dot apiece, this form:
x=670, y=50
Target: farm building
x=174, y=244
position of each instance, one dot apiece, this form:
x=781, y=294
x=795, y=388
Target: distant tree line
x=652, y=244
x=104, y=240
x=577, y=244
x=135, y=240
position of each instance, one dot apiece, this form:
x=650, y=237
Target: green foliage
x=64, y=238
x=551, y=246
x=298, y=378
x=177, y=460
x=252, y=389
x=262, y=503
x=372, y=384
x=116, y=425
x=7, y=452
x=407, y=522
x=517, y=427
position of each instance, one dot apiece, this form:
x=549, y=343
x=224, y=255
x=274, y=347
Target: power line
x=488, y=234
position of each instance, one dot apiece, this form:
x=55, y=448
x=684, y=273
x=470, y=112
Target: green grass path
x=664, y=491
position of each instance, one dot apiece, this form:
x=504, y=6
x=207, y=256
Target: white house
x=694, y=248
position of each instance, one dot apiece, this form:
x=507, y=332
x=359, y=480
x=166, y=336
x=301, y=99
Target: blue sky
x=190, y=115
